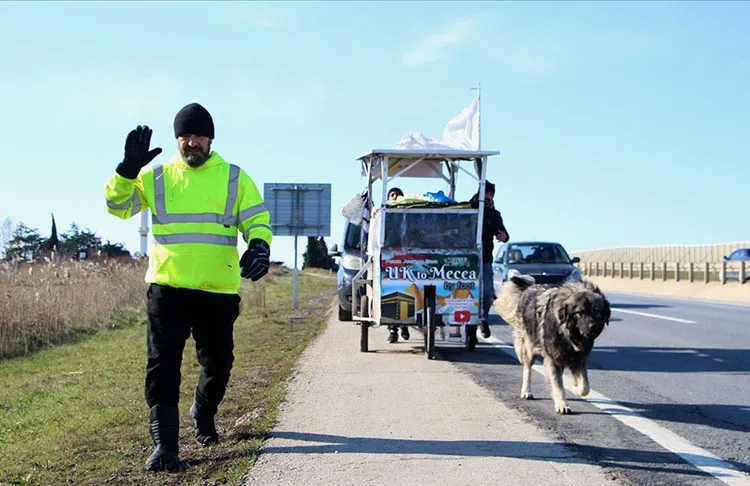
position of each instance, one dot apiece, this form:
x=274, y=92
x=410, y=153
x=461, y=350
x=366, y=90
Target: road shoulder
x=731, y=292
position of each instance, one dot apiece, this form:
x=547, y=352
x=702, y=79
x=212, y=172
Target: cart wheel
x=364, y=326
x=429, y=320
x=470, y=343
x=344, y=315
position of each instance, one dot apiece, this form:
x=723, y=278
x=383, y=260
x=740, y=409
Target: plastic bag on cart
x=354, y=209
x=439, y=197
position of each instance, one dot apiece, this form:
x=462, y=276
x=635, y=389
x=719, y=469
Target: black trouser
x=172, y=314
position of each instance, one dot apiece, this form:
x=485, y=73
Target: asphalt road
x=671, y=391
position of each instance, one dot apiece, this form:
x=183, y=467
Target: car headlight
x=575, y=276
x=351, y=262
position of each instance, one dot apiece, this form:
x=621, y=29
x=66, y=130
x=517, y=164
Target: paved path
x=390, y=416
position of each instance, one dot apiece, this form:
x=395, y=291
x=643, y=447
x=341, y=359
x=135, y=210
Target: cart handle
x=356, y=283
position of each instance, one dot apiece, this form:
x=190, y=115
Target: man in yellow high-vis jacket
x=199, y=203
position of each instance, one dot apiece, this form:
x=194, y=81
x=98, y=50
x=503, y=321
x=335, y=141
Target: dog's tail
x=510, y=295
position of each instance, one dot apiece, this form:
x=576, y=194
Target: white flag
x=461, y=133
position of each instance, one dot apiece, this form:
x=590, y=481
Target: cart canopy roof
x=395, y=155
x=419, y=163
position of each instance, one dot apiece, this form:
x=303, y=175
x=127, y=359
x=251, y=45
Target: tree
x=317, y=255
x=310, y=256
x=76, y=240
x=113, y=250
x=51, y=243
x=25, y=244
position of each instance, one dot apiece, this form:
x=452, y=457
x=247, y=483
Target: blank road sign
x=299, y=209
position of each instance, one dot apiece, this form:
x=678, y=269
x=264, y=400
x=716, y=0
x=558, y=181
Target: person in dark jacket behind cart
x=198, y=203
x=492, y=227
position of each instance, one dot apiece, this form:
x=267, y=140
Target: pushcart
x=423, y=258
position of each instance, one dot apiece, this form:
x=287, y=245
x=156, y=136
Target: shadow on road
x=625, y=458
x=671, y=360
x=715, y=416
x=678, y=360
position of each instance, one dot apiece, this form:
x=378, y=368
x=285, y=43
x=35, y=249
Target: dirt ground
x=729, y=292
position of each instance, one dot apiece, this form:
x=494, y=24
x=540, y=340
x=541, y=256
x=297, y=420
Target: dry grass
x=75, y=413
x=45, y=304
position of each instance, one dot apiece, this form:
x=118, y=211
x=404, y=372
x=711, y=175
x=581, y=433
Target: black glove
x=255, y=261
x=137, y=154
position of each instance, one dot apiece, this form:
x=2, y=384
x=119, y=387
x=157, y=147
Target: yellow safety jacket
x=196, y=213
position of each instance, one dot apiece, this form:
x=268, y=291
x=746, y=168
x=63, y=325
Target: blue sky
x=618, y=123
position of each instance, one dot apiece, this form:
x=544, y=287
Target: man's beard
x=195, y=158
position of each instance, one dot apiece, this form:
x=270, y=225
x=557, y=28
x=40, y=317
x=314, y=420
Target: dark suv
x=350, y=264
x=547, y=262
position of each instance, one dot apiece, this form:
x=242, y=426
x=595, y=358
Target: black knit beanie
x=194, y=119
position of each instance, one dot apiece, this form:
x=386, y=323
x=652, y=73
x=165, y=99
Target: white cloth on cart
x=461, y=133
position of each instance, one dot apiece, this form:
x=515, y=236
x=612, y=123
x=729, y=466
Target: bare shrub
x=43, y=304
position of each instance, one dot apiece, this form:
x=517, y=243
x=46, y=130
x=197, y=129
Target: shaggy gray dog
x=556, y=323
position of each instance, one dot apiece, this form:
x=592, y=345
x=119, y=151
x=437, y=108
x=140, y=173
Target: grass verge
x=75, y=414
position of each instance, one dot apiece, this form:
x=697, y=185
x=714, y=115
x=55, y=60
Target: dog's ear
x=589, y=285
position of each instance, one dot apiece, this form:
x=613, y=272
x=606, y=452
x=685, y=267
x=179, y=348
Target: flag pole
x=479, y=115
x=478, y=89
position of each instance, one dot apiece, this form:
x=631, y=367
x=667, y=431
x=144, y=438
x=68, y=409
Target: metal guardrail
x=683, y=254
x=675, y=271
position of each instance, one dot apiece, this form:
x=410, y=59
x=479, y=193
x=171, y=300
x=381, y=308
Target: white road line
x=687, y=300
x=655, y=316
x=700, y=458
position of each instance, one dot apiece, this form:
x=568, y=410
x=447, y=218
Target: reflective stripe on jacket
x=196, y=214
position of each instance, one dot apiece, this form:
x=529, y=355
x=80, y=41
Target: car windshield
x=520, y=253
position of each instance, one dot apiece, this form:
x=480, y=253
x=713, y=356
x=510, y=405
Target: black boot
x=405, y=333
x=485, y=329
x=393, y=336
x=203, y=414
x=164, y=427
x=471, y=337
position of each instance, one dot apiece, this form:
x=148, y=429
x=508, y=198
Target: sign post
x=298, y=210
x=295, y=278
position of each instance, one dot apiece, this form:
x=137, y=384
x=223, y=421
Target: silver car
x=350, y=263
x=546, y=261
